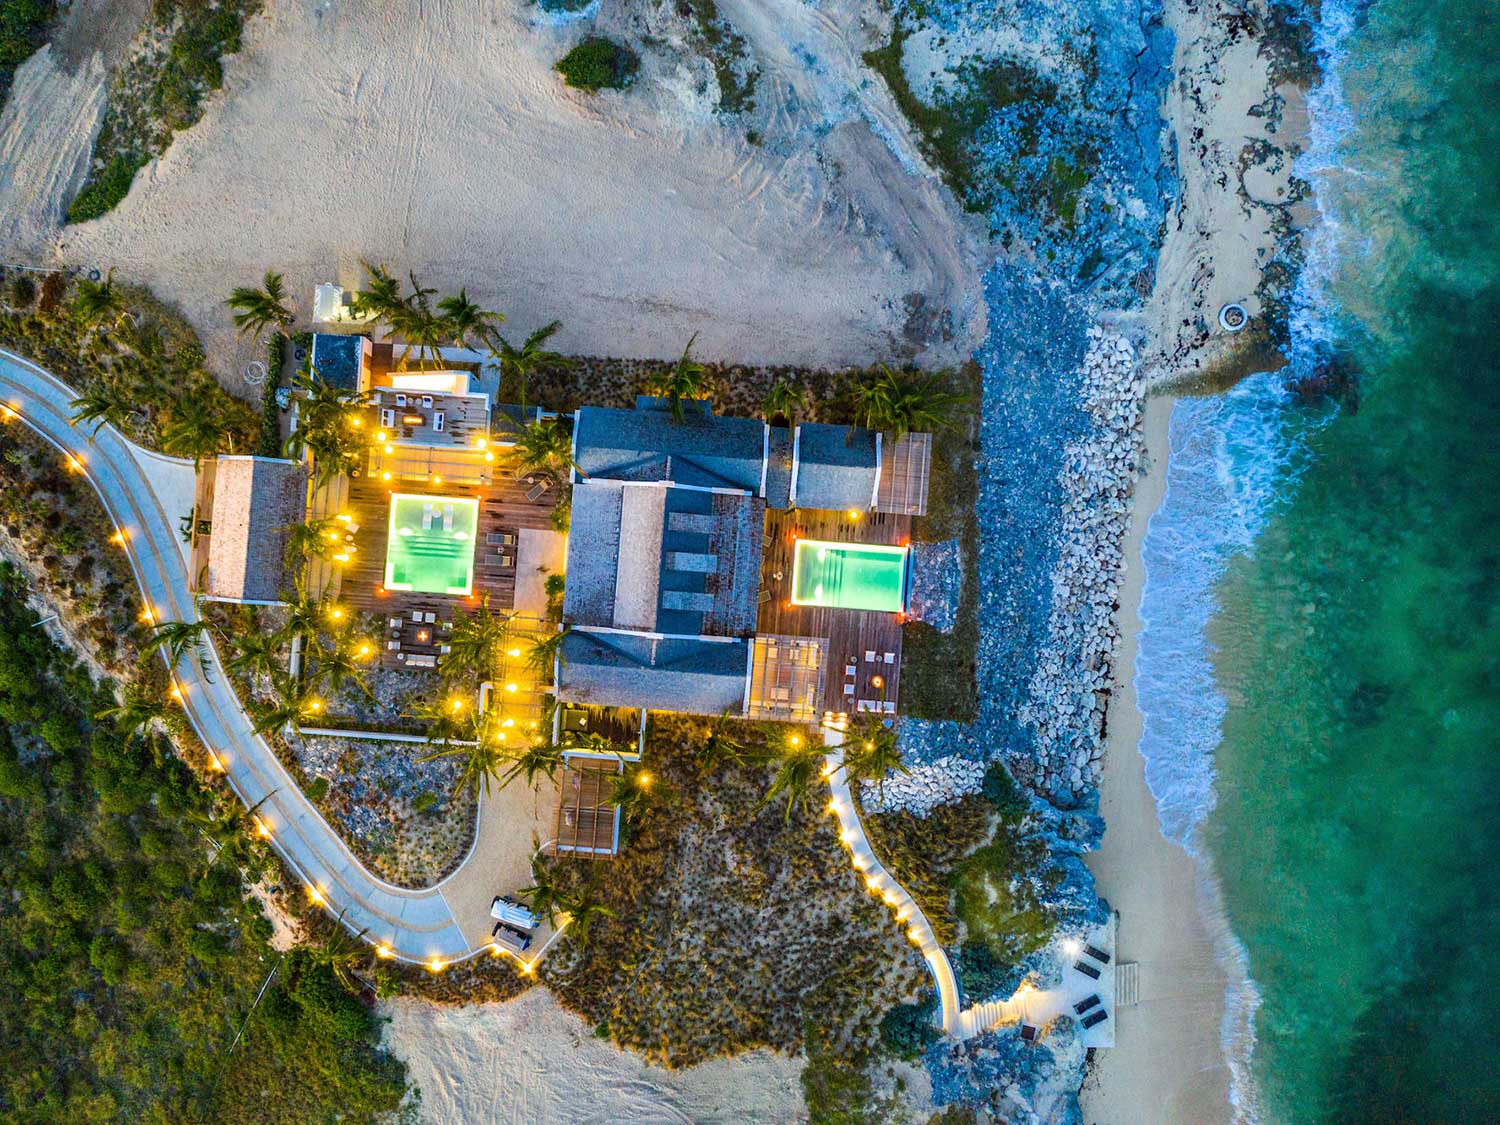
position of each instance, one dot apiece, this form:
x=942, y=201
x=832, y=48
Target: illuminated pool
x=430, y=544
x=849, y=575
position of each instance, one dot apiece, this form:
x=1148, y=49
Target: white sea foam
x=1233, y=459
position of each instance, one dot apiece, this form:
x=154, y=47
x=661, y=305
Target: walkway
x=419, y=926
x=1028, y=1005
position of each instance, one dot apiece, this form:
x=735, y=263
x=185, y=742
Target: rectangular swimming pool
x=849, y=575
x=430, y=544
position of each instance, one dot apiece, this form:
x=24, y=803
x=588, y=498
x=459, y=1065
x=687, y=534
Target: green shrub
x=907, y=1029
x=23, y=30
x=22, y=292
x=317, y=789
x=103, y=192
x=424, y=801
x=598, y=64
x=269, y=442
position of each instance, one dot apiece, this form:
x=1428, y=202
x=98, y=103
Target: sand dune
x=527, y=1060
x=440, y=141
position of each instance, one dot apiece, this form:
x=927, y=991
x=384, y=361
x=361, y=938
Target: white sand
x=527, y=1060
x=1166, y=1065
x=443, y=143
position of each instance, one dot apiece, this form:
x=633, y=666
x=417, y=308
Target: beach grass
x=23, y=30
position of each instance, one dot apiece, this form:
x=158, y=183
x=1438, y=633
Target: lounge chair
x=1097, y=954
x=1098, y=1017
x=1084, y=1005
x=494, y=539
x=535, y=492
x=1028, y=1033
x=1086, y=969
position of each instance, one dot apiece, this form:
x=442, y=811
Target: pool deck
x=503, y=509
x=851, y=633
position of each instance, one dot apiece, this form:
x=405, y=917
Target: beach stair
x=1127, y=984
x=982, y=1017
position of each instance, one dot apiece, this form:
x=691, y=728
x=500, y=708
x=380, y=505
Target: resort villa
x=714, y=565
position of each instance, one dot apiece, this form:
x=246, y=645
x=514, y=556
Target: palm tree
x=194, y=429
x=634, y=792
x=462, y=318
x=540, y=757
x=96, y=302
x=900, y=403
x=324, y=426
x=476, y=642
x=688, y=379
x=795, y=775
x=721, y=746
x=519, y=364
x=784, y=399
x=175, y=638
x=101, y=406
x=287, y=711
x=336, y=666
x=341, y=952
x=135, y=714
x=871, y=753
x=315, y=539
x=545, y=446
x=544, y=896
x=582, y=911
x=255, y=310
x=305, y=617
x=416, y=322
x=381, y=298
x=255, y=653
x=480, y=759
x=545, y=654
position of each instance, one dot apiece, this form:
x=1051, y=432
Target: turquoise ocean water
x=1320, y=667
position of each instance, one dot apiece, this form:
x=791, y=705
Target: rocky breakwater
x=1068, y=695
x=924, y=787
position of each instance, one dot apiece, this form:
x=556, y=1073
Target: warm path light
x=437, y=965
x=262, y=829
x=383, y=951
x=315, y=895
x=75, y=464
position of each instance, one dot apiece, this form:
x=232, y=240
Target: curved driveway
x=415, y=925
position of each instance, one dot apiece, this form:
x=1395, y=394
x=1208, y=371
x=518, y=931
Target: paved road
x=416, y=925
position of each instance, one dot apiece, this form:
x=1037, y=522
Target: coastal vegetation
x=734, y=923
x=134, y=957
x=598, y=64
x=950, y=127
x=175, y=67
x=725, y=48
x=136, y=364
x=23, y=30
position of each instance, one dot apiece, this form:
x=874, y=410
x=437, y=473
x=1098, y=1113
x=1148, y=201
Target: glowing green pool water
x=849, y=576
x=430, y=545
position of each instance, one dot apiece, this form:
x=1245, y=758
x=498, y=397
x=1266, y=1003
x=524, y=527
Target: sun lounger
x=1097, y=954
x=1084, y=1005
x=1086, y=969
x=494, y=539
x=534, y=493
x=1097, y=1018
x=1028, y=1033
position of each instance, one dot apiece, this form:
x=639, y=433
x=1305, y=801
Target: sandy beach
x=1167, y=1065
x=638, y=218
x=527, y=1060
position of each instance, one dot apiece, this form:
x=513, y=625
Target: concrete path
x=1028, y=1005
x=414, y=925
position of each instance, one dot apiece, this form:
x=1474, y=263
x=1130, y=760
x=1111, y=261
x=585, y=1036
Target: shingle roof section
x=593, y=553
x=337, y=359
x=837, y=467
x=627, y=670
x=646, y=444
x=256, y=501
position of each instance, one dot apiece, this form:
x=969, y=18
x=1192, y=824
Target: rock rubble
x=925, y=787
x=1069, y=692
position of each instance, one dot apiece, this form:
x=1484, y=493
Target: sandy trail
x=527, y=1060
x=46, y=133
x=443, y=143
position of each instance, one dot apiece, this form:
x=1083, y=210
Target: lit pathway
x=414, y=925
x=1028, y=1005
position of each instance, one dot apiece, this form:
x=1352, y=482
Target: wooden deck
x=853, y=635
x=503, y=511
